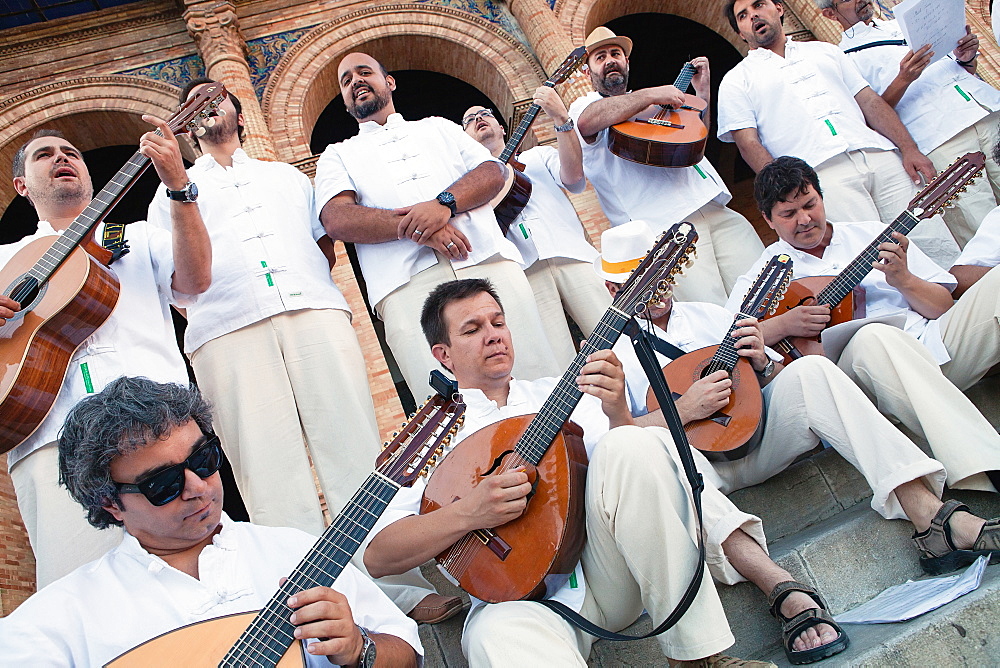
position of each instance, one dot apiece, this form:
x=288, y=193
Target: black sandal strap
x=781, y=592
x=936, y=540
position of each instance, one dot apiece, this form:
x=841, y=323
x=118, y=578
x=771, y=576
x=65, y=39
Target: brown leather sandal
x=792, y=628
x=938, y=553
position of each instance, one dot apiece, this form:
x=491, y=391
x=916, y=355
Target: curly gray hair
x=126, y=415
x=823, y=4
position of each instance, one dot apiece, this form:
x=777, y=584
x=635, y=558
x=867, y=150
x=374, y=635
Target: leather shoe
x=435, y=608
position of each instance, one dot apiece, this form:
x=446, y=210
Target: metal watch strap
x=565, y=127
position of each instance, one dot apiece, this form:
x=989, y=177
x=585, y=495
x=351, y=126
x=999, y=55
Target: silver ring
x=417, y=233
x=450, y=244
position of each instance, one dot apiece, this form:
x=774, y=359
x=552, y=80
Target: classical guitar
x=736, y=429
x=843, y=293
x=512, y=561
x=516, y=191
x=265, y=638
x=66, y=291
x=667, y=138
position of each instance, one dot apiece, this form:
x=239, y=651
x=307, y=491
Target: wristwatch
x=188, y=193
x=767, y=370
x=367, y=659
x=565, y=127
x=448, y=200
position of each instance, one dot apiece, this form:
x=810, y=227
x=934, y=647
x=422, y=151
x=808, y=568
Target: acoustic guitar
x=843, y=293
x=735, y=430
x=668, y=138
x=516, y=191
x=67, y=291
x=512, y=561
x=265, y=638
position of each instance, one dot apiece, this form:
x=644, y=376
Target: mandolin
x=736, y=429
x=264, y=638
x=843, y=292
x=67, y=291
x=512, y=561
x=516, y=191
x=668, y=138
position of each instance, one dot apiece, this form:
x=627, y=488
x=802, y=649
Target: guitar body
x=198, y=645
x=37, y=344
x=850, y=308
x=732, y=432
x=661, y=146
x=546, y=540
x=513, y=197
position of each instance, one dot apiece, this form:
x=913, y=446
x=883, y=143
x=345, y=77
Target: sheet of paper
x=835, y=338
x=940, y=23
x=915, y=598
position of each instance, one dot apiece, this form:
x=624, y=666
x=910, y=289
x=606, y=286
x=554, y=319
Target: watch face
x=192, y=189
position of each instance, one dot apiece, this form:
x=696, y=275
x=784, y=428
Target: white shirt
x=400, y=164
x=847, y=242
x=983, y=250
x=630, y=191
x=801, y=105
x=548, y=226
x=128, y=596
x=263, y=225
x=692, y=325
x=525, y=397
x=137, y=339
x=944, y=100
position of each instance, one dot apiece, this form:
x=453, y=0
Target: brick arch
x=403, y=36
x=92, y=112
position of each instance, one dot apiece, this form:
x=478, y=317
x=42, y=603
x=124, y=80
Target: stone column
x=216, y=30
x=550, y=42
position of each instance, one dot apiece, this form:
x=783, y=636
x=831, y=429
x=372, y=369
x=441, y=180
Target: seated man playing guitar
x=804, y=402
x=898, y=368
x=642, y=560
x=142, y=455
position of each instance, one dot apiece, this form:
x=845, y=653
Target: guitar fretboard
x=271, y=634
x=521, y=130
x=683, y=79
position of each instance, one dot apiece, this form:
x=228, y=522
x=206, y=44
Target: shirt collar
x=761, y=52
x=224, y=540
x=393, y=121
x=478, y=404
x=207, y=161
x=861, y=29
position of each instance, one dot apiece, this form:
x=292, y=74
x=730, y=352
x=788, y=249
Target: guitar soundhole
x=27, y=292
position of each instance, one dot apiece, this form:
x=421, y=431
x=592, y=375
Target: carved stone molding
x=89, y=82
x=215, y=29
x=15, y=44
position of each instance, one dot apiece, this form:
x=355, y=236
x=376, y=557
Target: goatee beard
x=222, y=131
x=369, y=107
x=614, y=83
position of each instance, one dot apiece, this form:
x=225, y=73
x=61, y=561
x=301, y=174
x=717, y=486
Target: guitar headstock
x=573, y=61
x=199, y=111
x=766, y=292
x=415, y=448
x=947, y=185
x=653, y=277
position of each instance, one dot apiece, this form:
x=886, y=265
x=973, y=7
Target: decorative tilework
x=492, y=10
x=177, y=72
x=265, y=52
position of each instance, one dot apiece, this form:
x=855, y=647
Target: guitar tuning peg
x=220, y=110
x=199, y=131
x=208, y=121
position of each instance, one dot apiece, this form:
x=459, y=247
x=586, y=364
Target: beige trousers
x=61, y=537
x=572, y=285
x=639, y=554
x=971, y=332
x=981, y=195
x=902, y=379
x=727, y=246
x=400, y=311
x=873, y=185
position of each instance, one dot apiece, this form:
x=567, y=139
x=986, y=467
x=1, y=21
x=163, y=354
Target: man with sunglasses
x=142, y=455
x=155, y=268
x=556, y=254
x=413, y=197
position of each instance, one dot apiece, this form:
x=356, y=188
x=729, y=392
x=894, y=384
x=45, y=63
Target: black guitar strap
x=647, y=358
x=114, y=240
x=872, y=45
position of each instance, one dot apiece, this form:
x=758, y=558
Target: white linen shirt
x=128, y=596
x=630, y=191
x=263, y=225
x=400, y=164
x=138, y=337
x=847, y=242
x=801, y=105
x=692, y=325
x=551, y=227
x=524, y=397
x=944, y=100
x=983, y=250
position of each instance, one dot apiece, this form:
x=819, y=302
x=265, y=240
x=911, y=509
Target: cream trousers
x=561, y=285
x=639, y=554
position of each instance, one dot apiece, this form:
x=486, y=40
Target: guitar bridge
x=661, y=122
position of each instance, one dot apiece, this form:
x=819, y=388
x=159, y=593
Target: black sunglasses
x=166, y=485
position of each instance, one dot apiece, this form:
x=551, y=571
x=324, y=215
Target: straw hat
x=622, y=249
x=601, y=36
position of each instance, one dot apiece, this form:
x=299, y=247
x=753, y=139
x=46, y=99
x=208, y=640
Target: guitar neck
x=560, y=405
x=855, y=272
x=725, y=357
x=89, y=218
x=271, y=634
x=683, y=79
x=517, y=137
